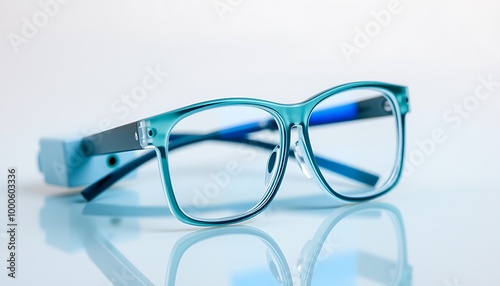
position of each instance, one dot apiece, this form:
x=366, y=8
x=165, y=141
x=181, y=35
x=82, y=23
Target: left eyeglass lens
x=359, y=129
x=222, y=161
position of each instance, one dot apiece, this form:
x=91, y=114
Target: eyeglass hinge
x=142, y=133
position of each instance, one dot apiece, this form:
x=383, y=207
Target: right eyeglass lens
x=225, y=161
x=354, y=137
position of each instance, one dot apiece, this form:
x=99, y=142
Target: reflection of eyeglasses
x=209, y=180
x=381, y=263
x=276, y=273
x=380, y=257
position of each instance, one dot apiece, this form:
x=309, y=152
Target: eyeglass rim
x=397, y=168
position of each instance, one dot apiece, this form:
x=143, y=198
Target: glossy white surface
x=70, y=76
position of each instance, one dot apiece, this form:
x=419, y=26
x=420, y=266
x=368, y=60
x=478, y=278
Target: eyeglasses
x=222, y=161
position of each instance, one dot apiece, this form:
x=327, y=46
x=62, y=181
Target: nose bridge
x=295, y=115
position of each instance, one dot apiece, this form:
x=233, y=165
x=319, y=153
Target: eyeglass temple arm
x=365, y=109
x=120, y=139
x=125, y=138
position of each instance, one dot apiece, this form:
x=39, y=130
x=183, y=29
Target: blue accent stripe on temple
x=334, y=114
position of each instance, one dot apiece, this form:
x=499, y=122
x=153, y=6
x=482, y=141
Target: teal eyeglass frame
x=155, y=133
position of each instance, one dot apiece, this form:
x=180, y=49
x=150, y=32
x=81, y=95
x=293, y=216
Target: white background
x=65, y=79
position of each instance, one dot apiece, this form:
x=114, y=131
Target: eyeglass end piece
x=63, y=163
